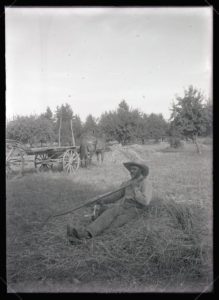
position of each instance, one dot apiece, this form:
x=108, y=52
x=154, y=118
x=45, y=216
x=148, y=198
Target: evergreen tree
x=90, y=127
x=64, y=116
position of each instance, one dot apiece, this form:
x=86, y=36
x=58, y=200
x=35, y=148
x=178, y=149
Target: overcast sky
x=93, y=58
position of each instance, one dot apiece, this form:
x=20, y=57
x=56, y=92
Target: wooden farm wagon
x=43, y=158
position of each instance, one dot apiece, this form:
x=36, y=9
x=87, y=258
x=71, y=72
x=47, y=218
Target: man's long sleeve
x=143, y=194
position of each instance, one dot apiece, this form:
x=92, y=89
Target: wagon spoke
x=72, y=169
x=65, y=167
x=71, y=161
x=69, y=168
x=43, y=160
x=14, y=159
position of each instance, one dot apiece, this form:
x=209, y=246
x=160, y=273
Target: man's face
x=134, y=172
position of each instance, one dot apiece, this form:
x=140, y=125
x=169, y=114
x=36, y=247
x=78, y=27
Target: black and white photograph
x=109, y=149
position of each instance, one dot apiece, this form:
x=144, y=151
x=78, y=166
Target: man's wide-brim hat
x=144, y=169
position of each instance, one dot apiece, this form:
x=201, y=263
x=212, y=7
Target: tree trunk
x=196, y=144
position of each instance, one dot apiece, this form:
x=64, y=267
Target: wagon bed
x=34, y=151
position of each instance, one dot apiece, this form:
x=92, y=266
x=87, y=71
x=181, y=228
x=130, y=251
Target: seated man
x=137, y=195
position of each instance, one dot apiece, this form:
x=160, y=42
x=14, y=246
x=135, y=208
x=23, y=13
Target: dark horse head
x=89, y=146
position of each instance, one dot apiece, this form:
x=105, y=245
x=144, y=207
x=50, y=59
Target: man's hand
x=129, y=192
x=129, y=183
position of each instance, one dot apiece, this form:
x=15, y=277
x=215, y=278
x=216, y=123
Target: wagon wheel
x=71, y=161
x=14, y=160
x=42, y=162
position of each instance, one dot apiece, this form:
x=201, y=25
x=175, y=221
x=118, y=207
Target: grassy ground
x=154, y=253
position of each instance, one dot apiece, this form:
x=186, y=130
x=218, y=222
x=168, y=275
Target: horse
x=100, y=149
x=87, y=149
x=89, y=146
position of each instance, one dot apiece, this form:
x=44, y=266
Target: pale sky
x=93, y=58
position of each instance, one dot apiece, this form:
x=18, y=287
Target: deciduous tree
x=156, y=126
x=30, y=129
x=188, y=115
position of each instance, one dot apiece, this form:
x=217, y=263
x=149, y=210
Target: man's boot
x=71, y=237
x=81, y=233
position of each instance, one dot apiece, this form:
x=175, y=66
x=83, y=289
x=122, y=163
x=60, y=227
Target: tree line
x=191, y=117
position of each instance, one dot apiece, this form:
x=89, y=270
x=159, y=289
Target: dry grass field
x=169, y=248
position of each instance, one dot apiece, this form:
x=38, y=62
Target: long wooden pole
x=60, y=126
x=94, y=200
x=72, y=133
x=88, y=203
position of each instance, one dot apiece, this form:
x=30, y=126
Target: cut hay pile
x=121, y=154
x=115, y=156
x=165, y=242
